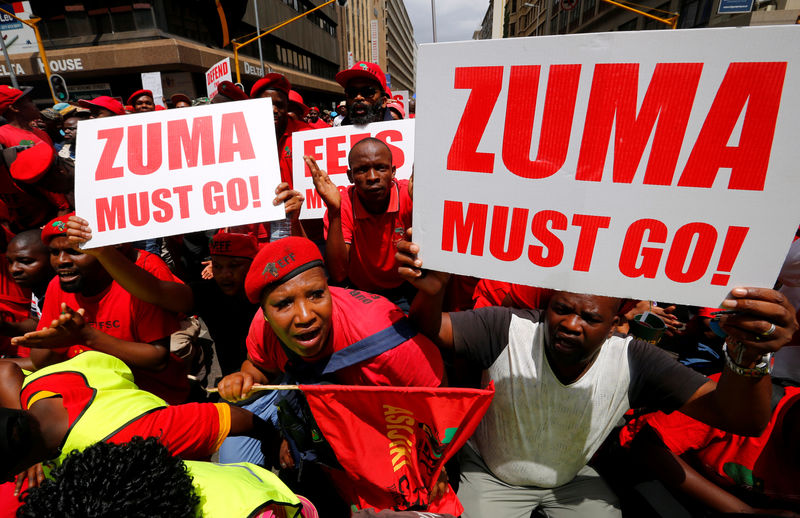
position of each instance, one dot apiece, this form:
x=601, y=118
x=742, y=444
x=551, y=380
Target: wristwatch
x=760, y=370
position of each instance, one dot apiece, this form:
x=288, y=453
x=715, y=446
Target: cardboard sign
x=152, y=81
x=401, y=96
x=170, y=172
x=655, y=165
x=217, y=74
x=330, y=147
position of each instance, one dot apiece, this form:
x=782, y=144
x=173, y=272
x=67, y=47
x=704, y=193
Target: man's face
x=371, y=171
x=364, y=100
x=313, y=115
x=77, y=272
x=71, y=129
x=230, y=272
x=29, y=264
x=280, y=109
x=182, y=104
x=144, y=103
x=299, y=312
x=578, y=325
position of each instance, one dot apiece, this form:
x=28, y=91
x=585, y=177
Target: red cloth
x=320, y=124
x=494, y=293
x=759, y=464
x=156, y=266
x=414, y=363
x=15, y=306
x=393, y=441
x=373, y=238
x=116, y=312
x=285, y=148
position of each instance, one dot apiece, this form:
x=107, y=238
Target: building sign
x=667, y=174
x=215, y=75
x=171, y=172
x=18, y=37
x=734, y=6
x=373, y=35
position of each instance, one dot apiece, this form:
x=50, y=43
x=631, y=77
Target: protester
x=314, y=120
x=341, y=113
x=559, y=372
x=142, y=101
x=17, y=313
x=363, y=226
x=103, y=106
x=365, y=91
x=50, y=121
x=396, y=109
x=142, y=478
x=86, y=310
x=297, y=109
x=304, y=324
x=180, y=101
x=29, y=266
x=721, y=471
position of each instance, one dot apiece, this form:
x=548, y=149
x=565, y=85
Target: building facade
x=102, y=47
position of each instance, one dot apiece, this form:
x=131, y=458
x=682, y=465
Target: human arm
x=293, y=203
x=337, y=251
x=8, y=328
x=741, y=404
x=237, y=386
x=426, y=308
x=169, y=295
x=70, y=328
x=678, y=475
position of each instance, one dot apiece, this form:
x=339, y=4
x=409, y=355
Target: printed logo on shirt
x=365, y=298
x=105, y=324
x=287, y=151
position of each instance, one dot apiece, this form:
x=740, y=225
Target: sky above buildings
x=456, y=20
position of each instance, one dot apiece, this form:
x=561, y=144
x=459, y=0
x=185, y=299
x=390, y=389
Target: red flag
x=393, y=441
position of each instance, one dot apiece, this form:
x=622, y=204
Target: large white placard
x=170, y=172
x=330, y=147
x=655, y=165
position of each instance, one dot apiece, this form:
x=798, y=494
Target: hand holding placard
x=327, y=190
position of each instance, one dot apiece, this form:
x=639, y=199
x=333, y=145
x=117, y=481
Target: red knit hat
x=234, y=245
x=279, y=261
x=55, y=228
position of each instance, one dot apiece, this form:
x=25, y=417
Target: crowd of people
x=126, y=369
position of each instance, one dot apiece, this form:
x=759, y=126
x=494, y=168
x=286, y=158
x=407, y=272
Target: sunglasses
x=364, y=91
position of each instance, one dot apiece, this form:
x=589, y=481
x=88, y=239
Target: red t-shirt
x=373, y=238
x=494, y=293
x=357, y=315
x=15, y=306
x=758, y=464
x=116, y=312
x=285, y=149
x=155, y=265
x=320, y=124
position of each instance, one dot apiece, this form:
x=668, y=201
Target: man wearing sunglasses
x=366, y=92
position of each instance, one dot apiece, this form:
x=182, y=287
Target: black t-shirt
x=228, y=320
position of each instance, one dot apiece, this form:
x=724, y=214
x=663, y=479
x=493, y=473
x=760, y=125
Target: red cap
x=397, y=106
x=280, y=261
x=297, y=99
x=234, y=245
x=138, y=93
x=231, y=91
x=271, y=82
x=31, y=164
x=54, y=228
x=9, y=95
x=104, y=101
x=365, y=70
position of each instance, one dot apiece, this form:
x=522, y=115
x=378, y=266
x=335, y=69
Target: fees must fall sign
x=654, y=165
x=176, y=171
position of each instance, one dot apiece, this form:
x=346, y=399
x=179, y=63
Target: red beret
x=280, y=261
x=31, y=164
x=234, y=245
x=231, y=91
x=56, y=227
x=138, y=93
x=271, y=81
x=9, y=95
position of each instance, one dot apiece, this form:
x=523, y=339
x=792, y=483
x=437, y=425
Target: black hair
x=366, y=141
x=30, y=237
x=139, y=479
